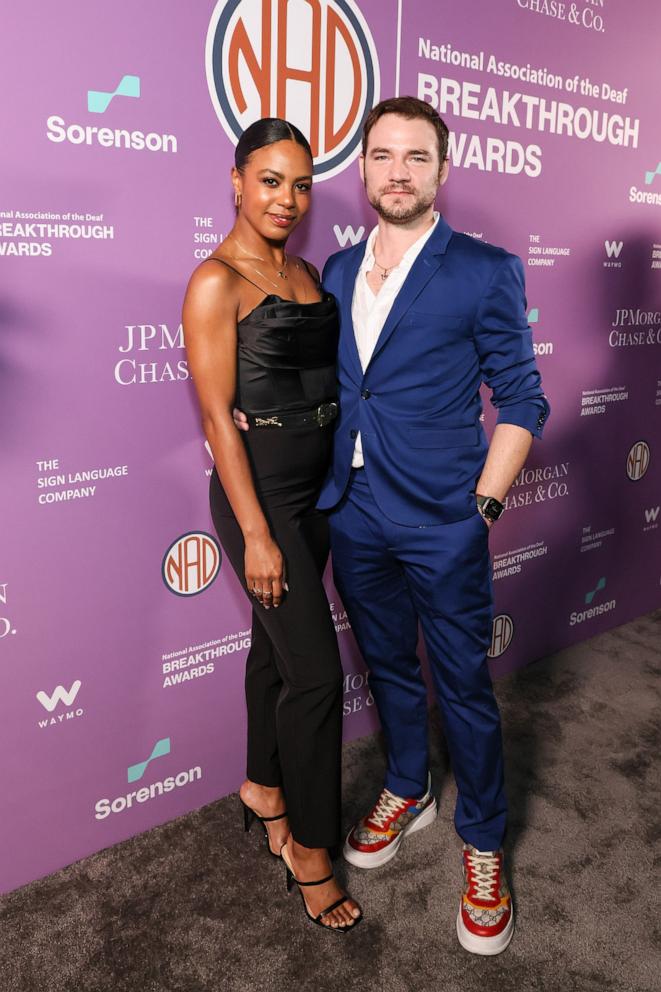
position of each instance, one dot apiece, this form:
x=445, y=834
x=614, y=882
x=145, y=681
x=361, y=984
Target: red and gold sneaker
x=485, y=923
x=376, y=838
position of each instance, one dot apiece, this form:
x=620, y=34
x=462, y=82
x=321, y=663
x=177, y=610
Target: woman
x=260, y=334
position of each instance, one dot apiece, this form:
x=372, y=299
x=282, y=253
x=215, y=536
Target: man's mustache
x=399, y=188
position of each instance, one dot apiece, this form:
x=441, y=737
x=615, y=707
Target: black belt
x=323, y=414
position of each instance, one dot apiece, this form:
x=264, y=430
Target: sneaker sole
x=484, y=945
x=361, y=860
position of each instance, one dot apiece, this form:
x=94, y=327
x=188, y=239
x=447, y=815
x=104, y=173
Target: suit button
x=353, y=435
x=366, y=394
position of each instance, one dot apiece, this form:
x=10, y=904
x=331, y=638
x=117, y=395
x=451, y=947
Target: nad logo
x=600, y=586
x=59, y=695
x=314, y=64
x=649, y=176
x=348, y=235
x=191, y=563
x=501, y=638
x=613, y=248
x=160, y=749
x=638, y=460
x=98, y=101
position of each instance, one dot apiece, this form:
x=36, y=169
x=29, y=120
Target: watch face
x=492, y=509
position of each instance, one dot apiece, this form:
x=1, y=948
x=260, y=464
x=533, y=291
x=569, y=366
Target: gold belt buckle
x=325, y=413
x=267, y=422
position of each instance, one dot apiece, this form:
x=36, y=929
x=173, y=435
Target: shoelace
x=484, y=870
x=387, y=805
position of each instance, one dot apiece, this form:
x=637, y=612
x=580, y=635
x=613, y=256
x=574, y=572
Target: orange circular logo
x=191, y=563
x=313, y=63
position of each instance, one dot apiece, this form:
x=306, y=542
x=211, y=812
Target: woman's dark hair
x=267, y=131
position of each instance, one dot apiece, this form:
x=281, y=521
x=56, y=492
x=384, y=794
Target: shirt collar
x=411, y=251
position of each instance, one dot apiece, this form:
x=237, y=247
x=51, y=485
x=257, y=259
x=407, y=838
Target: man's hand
x=240, y=420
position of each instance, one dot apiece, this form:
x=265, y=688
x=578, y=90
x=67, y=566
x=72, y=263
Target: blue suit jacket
x=459, y=319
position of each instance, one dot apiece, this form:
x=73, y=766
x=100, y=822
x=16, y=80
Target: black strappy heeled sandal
x=249, y=817
x=329, y=909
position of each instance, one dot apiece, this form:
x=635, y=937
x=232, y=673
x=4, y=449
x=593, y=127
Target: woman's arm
x=209, y=318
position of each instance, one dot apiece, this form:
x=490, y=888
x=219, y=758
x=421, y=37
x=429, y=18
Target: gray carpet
x=196, y=906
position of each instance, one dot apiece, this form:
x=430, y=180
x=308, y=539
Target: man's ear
x=443, y=172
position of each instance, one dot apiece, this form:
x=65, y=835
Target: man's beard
x=402, y=213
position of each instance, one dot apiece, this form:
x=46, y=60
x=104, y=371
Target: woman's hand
x=264, y=568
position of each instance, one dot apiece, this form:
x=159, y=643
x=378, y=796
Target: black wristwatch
x=489, y=507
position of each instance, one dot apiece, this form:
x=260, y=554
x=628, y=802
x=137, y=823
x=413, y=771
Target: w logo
x=313, y=62
x=613, y=248
x=348, y=235
x=60, y=695
x=652, y=515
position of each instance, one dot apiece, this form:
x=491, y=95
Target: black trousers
x=293, y=670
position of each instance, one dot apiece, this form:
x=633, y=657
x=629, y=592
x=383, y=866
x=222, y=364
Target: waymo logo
x=652, y=517
x=613, y=248
x=348, y=235
x=59, y=695
x=160, y=749
x=104, y=807
x=98, y=101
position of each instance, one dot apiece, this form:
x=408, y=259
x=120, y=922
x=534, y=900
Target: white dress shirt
x=369, y=310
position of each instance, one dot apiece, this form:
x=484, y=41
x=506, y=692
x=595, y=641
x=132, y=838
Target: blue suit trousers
x=390, y=576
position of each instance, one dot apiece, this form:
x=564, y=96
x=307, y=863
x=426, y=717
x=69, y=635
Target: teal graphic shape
x=649, y=176
x=601, y=584
x=98, y=101
x=533, y=315
x=160, y=749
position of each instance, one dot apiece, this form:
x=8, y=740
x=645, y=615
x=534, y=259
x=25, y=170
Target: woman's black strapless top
x=286, y=355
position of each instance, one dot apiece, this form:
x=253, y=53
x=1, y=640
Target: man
x=427, y=315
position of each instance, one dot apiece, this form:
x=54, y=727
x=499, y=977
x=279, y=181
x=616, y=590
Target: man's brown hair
x=410, y=108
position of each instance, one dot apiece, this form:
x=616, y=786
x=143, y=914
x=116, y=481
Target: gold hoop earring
x=237, y=199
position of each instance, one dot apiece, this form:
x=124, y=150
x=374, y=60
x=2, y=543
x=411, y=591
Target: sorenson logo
x=191, y=563
x=594, y=611
x=159, y=750
x=539, y=347
x=98, y=101
x=502, y=634
x=104, y=807
x=313, y=63
x=638, y=460
x=650, y=176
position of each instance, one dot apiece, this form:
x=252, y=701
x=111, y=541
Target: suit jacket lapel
x=348, y=336
x=427, y=264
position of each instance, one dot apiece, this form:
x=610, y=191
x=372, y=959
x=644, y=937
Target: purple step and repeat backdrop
x=122, y=632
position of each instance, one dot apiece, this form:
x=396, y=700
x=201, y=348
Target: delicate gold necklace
x=385, y=272
x=281, y=272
